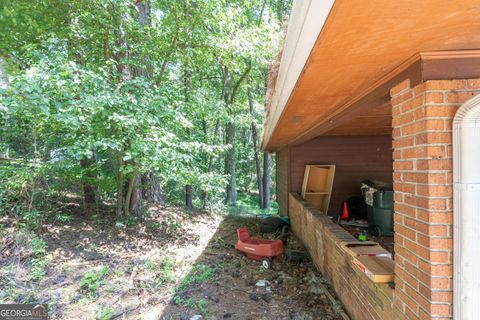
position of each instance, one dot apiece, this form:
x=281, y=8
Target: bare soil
x=176, y=264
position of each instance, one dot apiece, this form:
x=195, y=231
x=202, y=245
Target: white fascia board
x=304, y=26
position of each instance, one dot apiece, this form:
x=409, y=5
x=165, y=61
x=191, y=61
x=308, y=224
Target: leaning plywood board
x=377, y=269
x=317, y=185
x=317, y=179
x=371, y=249
x=317, y=201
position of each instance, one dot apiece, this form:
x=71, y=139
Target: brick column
x=422, y=173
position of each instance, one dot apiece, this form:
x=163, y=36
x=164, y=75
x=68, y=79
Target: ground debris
x=171, y=266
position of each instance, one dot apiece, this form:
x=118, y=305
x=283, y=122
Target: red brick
x=402, y=97
x=405, y=187
x=441, y=111
x=442, y=270
x=425, y=290
x=404, y=209
x=422, y=301
x=422, y=120
x=409, y=302
x=438, y=256
x=434, y=191
x=412, y=153
x=440, y=310
x=419, y=114
x=433, y=138
x=405, y=232
x=440, y=283
x=419, y=89
x=403, y=119
x=440, y=217
x=460, y=97
x=396, y=132
x=435, y=125
x=473, y=83
x=413, y=103
x=397, y=154
x=442, y=296
x=441, y=244
x=406, y=254
x=445, y=84
x=416, y=177
x=438, y=230
x=397, y=176
x=434, y=164
x=402, y=86
x=403, y=142
x=434, y=97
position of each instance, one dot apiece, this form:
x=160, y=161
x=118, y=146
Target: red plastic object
x=257, y=248
x=345, y=214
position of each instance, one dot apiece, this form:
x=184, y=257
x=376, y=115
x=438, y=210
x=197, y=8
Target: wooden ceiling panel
x=361, y=43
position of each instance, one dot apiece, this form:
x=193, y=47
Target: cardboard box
x=365, y=248
x=377, y=269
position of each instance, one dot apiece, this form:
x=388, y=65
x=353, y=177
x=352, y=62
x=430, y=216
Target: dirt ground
x=174, y=265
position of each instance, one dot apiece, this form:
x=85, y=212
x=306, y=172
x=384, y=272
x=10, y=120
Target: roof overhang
x=361, y=49
x=306, y=21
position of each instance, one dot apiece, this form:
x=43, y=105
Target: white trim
x=306, y=22
x=466, y=177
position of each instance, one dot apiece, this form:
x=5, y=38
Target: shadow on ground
x=176, y=264
x=223, y=284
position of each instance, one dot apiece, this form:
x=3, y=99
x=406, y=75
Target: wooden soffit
x=363, y=49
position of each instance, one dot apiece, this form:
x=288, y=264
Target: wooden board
x=316, y=200
x=317, y=179
x=317, y=185
x=377, y=269
x=369, y=248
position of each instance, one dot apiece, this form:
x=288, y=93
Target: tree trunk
x=188, y=196
x=216, y=133
x=266, y=180
x=152, y=191
x=128, y=197
x=119, y=186
x=88, y=189
x=255, y=147
x=122, y=54
x=136, y=197
x=231, y=197
x=145, y=19
x=133, y=199
x=186, y=92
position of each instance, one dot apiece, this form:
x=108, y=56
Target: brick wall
x=422, y=173
x=361, y=298
x=422, y=141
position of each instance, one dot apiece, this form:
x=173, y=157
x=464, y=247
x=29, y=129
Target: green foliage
x=104, y=313
x=92, y=280
x=248, y=204
x=166, y=274
x=200, y=273
x=40, y=260
x=97, y=83
x=199, y=305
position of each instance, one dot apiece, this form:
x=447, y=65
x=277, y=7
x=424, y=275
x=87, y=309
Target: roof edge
x=305, y=25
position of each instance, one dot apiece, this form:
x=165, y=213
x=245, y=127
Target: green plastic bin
x=379, y=199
